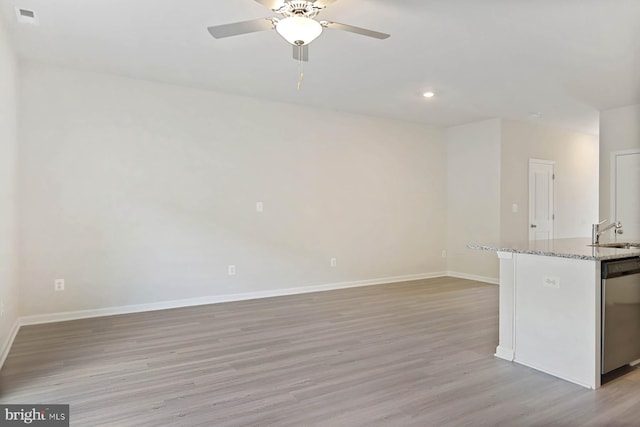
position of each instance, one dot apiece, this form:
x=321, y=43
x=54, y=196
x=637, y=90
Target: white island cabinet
x=550, y=305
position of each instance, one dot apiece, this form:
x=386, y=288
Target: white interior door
x=625, y=194
x=541, y=180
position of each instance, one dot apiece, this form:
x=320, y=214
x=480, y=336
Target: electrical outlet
x=514, y=208
x=551, y=282
x=444, y=254
x=334, y=262
x=1, y=308
x=259, y=207
x=58, y=285
x=231, y=270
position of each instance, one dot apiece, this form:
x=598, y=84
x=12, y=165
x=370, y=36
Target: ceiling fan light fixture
x=299, y=30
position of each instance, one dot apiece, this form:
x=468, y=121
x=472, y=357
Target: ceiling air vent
x=26, y=16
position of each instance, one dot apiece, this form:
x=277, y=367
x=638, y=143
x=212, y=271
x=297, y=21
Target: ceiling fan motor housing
x=304, y=9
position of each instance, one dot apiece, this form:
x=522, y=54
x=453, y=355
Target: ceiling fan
x=297, y=24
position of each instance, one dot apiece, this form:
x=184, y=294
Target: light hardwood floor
x=416, y=353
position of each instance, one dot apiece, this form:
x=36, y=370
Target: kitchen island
x=550, y=305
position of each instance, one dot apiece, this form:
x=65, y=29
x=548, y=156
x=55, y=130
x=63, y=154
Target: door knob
x=533, y=226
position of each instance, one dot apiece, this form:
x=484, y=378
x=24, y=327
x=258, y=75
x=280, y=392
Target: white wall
x=619, y=130
x=576, y=185
x=137, y=192
x=8, y=202
x=473, y=202
x=488, y=172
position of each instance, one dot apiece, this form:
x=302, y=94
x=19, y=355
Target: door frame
x=553, y=198
x=614, y=178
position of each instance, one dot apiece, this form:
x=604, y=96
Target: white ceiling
x=566, y=59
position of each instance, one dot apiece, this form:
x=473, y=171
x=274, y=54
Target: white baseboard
x=4, y=350
x=492, y=280
x=215, y=299
x=594, y=385
x=505, y=353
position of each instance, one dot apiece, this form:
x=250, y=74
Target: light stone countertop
x=577, y=248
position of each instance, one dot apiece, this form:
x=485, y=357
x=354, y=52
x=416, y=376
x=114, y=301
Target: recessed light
x=26, y=16
x=535, y=115
x=429, y=94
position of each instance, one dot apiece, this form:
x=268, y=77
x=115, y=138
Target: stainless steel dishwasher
x=620, y=313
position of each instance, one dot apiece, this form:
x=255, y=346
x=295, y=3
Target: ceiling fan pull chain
x=300, y=66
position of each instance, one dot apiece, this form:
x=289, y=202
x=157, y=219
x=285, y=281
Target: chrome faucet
x=596, y=231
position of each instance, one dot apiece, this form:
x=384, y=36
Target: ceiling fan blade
x=357, y=30
x=301, y=51
x=322, y=3
x=272, y=4
x=237, y=28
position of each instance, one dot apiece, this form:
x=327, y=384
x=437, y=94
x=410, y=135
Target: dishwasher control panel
x=620, y=267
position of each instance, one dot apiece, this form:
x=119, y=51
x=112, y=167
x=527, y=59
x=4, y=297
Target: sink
x=618, y=245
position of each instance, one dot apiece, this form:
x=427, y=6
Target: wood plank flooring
x=408, y=354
